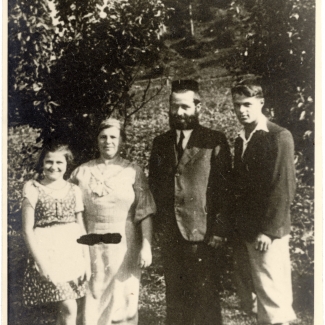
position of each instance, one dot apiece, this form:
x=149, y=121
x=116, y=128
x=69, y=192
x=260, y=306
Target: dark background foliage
x=276, y=40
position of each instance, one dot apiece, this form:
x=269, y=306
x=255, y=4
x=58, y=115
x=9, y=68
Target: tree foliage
x=275, y=39
x=66, y=78
x=30, y=46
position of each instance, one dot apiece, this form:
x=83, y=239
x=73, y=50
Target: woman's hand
x=88, y=271
x=145, y=256
x=96, y=285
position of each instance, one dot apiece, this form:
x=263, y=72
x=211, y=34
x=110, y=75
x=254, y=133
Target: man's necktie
x=179, y=147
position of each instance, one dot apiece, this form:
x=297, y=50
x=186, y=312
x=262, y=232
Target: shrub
x=22, y=155
x=302, y=246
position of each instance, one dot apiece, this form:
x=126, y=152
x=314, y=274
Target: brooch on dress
x=98, y=187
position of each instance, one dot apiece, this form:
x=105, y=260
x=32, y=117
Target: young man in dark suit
x=264, y=178
x=188, y=175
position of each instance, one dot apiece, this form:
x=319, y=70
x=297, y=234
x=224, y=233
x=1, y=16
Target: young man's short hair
x=248, y=88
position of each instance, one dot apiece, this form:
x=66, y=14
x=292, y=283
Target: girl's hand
x=145, y=256
x=46, y=273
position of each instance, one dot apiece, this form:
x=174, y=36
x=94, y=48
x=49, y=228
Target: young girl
x=52, y=223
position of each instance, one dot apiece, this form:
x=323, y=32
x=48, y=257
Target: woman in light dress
x=117, y=200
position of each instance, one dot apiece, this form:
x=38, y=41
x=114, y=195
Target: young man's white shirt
x=261, y=125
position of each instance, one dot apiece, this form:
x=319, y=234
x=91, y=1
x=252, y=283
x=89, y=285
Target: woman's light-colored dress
x=116, y=200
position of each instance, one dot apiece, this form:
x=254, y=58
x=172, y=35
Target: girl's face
x=109, y=142
x=54, y=165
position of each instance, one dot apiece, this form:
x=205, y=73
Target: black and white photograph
x=160, y=162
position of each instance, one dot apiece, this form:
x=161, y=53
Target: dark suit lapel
x=255, y=145
x=170, y=148
x=238, y=147
x=192, y=148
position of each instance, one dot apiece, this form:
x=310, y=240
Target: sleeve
x=74, y=176
x=79, y=203
x=144, y=204
x=153, y=168
x=154, y=179
x=219, y=219
x=30, y=192
x=283, y=187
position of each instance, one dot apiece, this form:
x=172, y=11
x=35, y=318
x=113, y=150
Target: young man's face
x=183, y=113
x=248, y=109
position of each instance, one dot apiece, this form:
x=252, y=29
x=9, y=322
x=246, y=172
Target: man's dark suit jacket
x=264, y=182
x=193, y=192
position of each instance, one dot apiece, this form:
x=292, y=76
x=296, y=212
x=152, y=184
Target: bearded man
x=188, y=175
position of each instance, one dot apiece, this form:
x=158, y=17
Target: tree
x=82, y=70
x=30, y=46
x=275, y=39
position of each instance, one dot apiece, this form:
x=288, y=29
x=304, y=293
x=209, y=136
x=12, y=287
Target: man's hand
x=262, y=242
x=216, y=241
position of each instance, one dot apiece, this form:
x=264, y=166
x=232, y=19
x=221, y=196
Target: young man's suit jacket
x=265, y=183
x=191, y=195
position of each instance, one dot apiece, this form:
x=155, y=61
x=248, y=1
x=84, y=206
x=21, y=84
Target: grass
x=152, y=297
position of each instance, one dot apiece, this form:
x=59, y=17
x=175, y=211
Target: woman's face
x=109, y=141
x=54, y=165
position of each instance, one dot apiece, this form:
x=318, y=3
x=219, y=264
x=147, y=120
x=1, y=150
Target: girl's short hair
x=248, y=88
x=53, y=146
x=112, y=122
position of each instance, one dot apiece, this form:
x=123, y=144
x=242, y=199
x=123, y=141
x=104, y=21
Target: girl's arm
x=28, y=220
x=145, y=253
x=81, y=223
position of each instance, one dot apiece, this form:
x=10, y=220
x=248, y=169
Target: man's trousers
x=268, y=274
x=192, y=283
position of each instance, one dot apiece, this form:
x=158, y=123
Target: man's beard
x=183, y=122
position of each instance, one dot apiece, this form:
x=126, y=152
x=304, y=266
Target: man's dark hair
x=248, y=88
x=182, y=86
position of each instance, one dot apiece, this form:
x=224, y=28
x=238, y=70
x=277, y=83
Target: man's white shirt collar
x=261, y=125
x=187, y=134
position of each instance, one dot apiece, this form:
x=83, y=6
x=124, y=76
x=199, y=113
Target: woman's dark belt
x=92, y=239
